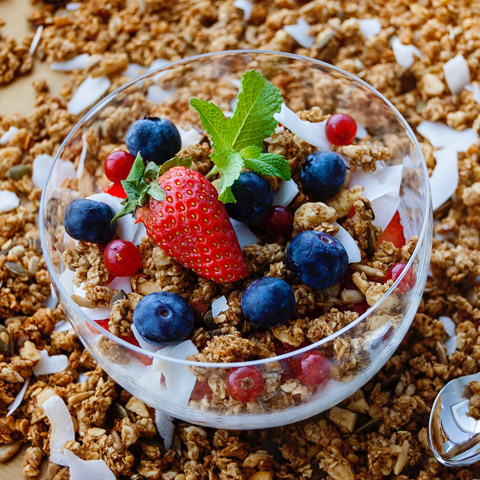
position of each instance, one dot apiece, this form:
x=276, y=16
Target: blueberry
x=254, y=197
x=268, y=302
x=163, y=318
x=157, y=139
x=318, y=259
x=90, y=221
x=323, y=175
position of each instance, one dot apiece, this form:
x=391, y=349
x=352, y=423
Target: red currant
x=122, y=258
x=115, y=189
x=312, y=368
x=117, y=165
x=278, y=221
x=340, y=129
x=201, y=390
x=408, y=281
x=245, y=383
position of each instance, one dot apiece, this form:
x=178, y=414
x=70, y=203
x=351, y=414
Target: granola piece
x=343, y=201
x=14, y=59
x=259, y=257
x=345, y=419
x=328, y=324
x=229, y=347
x=292, y=335
x=121, y=313
x=315, y=216
x=233, y=315
x=33, y=459
x=364, y=156
x=335, y=464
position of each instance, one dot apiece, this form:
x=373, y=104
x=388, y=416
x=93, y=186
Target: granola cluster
x=381, y=431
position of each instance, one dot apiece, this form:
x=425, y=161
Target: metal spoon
x=454, y=436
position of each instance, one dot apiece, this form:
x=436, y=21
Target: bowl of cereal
x=240, y=239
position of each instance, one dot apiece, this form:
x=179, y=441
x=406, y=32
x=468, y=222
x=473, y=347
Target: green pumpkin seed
x=6, y=343
x=19, y=171
x=15, y=268
x=121, y=295
x=118, y=411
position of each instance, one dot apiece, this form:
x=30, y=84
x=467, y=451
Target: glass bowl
x=355, y=352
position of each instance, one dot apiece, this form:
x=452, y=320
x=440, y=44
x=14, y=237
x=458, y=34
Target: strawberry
x=393, y=232
x=115, y=189
x=183, y=216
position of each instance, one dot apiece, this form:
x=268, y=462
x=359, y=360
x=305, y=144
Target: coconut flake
x=369, y=27
x=51, y=301
x=156, y=94
x=285, y=193
x=91, y=469
x=361, y=132
x=8, y=135
x=121, y=283
x=299, y=32
x=350, y=245
x=158, y=63
x=142, y=342
x=71, y=7
x=384, y=181
x=179, y=380
x=82, y=378
x=385, y=208
x=134, y=70
x=312, y=133
x=8, y=201
x=77, y=63
x=442, y=136
x=83, y=155
x=50, y=364
x=404, y=53
x=165, y=427
x=88, y=92
x=457, y=74
x=448, y=325
x=18, y=398
x=62, y=171
x=189, y=137
x=36, y=40
x=126, y=226
x=444, y=179
x=40, y=168
x=473, y=87
x=246, y=6
x=140, y=233
x=61, y=428
x=219, y=306
x=66, y=279
x=244, y=235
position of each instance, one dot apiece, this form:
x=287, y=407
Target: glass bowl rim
x=100, y=105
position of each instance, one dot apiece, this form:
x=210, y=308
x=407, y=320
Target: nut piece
x=432, y=85
x=6, y=344
x=344, y=419
x=8, y=451
x=261, y=476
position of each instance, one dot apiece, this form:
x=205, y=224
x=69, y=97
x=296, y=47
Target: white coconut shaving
x=369, y=27
x=299, y=32
x=157, y=95
x=285, y=193
x=457, y=74
x=62, y=430
x=189, y=137
x=88, y=92
x=8, y=201
x=449, y=326
x=62, y=171
x=76, y=63
x=18, y=398
x=385, y=208
x=142, y=342
x=312, y=133
x=126, y=226
x=63, y=326
x=35, y=40
x=361, y=132
x=134, y=70
x=404, y=53
x=66, y=279
x=8, y=135
x=83, y=469
x=443, y=136
x=40, y=168
x=246, y=6
x=474, y=88
x=236, y=82
x=158, y=63
x=50, y=364
x=179, y=380
x=82, y=378
x=350, y=245
x=444, y=179
x=51, y=301
x=165, y=427
x=121, y=283
x=244, y=235
x=219, y=306
x=83, y=155
x=71, y=7
x=384, y=181
x=140, y=233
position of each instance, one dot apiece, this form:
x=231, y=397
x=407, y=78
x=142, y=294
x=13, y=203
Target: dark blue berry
x=157, y=139
x=268, y=302
x=163, y=318
x=90, y=221
x=323, y=175
x=318, y=259
x=254, y=197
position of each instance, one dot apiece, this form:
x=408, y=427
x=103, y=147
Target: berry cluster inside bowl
x=271, y=232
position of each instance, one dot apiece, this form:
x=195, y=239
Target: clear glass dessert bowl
x=173, y=379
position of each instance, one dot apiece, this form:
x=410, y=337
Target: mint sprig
x=238, y=141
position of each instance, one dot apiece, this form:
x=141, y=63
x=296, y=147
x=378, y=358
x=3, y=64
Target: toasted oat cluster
x=381, y=431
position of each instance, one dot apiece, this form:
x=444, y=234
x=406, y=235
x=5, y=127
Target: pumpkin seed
x=121, y=295
x=15, y=268
x=18, y=171
x=374, y=422
x=6, y=343
x=118, y=411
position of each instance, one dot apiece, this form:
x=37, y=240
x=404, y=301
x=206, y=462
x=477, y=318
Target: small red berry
x=245, y=383
x=340, y=129
x=117, y=165
x=393, y=232
x=408, y=281
x=122, y=258
x=312, y=368
x=278, y=221
x=115, y=189
x=201, y=390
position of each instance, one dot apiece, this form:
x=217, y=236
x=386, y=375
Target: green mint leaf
x=156, y=192
x=213, y=121
x=174, y=162
x=151, y=170
x=230, y=163
x=251, y=152
x=252, y=121
x=270, y=164
x=137, y=170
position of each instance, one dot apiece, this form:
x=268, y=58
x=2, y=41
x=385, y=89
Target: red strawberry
x=393, y=232
x=115, y=189
x=193, y=226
